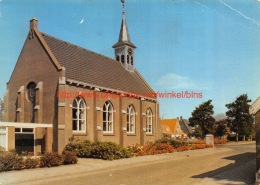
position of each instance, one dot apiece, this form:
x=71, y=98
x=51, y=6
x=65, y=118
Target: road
x=228, y=164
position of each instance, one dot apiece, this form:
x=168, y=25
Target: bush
x=174, y=143
x=30, y=163
x=2, y=149
x=134, y=149
x=69, y=157
x=82, y=149
x=108, y=151
x=220, y=141
x=50, y=159
x=10, y=161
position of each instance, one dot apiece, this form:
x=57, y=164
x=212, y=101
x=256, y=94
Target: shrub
x=69, y=157
x=159, y=148
x=163, y=140
x=220, y=141
x=108, y=151
x=2, y=149
x=133, y=149
x=173, y=142
x=183, y=148
x=30, y=163
x=10, y=161
x=82, y=149
x=50, y=159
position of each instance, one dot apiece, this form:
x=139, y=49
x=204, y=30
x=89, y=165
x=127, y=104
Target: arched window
x=149, y=121
x=132, y=60
x=108, y=114
x=122, y=58
x=130, y=119
x=31, y=91
x=128, y=59
x=117, y=58
x=79, y=115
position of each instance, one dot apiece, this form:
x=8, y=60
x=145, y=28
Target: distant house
x=184, y=123
x=171, y=128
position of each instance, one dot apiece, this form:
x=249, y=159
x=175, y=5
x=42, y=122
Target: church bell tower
x=124, y=48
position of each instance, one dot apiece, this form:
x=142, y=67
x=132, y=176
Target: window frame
x=149, y=121
x=79, y=117
x=4, y=133
x=108, y=114
x=123, y=59
x=130, y=119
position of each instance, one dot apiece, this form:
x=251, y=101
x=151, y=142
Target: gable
x=33, y=61
x=171, y=123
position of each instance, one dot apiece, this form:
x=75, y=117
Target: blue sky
x=206, y=46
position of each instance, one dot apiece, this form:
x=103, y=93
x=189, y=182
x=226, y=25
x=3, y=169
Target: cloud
x=240, y=13
x=174, y=81
x=82, y=20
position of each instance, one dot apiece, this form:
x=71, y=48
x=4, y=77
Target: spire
x=124, y=38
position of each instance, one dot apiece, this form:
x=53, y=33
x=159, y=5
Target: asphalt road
x=229, y=164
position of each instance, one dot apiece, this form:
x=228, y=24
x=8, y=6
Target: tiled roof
x=171, y=125
x=184, y=123
x=166, y=129
x=92, y=68
x=255, y=107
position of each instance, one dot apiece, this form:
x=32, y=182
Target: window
x=31, y=91
x=130, y=119
x=122, y=58
x=128, y=59
x=149, y=121
x=108, y=112
x=132, y=60
x=3, y=137
x=117, y=58
x=79, y=115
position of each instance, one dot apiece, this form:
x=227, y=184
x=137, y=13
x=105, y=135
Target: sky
x=209, y=47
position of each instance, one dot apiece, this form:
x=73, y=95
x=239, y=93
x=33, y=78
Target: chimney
x=33, y=24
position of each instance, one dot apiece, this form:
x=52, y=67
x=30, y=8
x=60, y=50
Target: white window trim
x=79, y=101
x=6, y=136
x=109, y=123
x=130, y=113
x=149, y=121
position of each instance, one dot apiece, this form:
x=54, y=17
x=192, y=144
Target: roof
x=169, y=126
x=254, y=108
x=184, y=124
x=124, y=38
x=89, y=67
x=171, y=123
x=166, y=129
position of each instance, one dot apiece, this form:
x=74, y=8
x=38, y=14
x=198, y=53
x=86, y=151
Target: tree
x=221, y=128
x=202, y=119
x=238, y=117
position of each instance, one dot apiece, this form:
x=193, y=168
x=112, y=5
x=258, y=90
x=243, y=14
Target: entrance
x=24, y=141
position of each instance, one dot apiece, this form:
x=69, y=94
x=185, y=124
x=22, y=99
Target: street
x=233, y=163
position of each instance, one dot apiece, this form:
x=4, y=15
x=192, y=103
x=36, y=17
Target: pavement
x=84, y=166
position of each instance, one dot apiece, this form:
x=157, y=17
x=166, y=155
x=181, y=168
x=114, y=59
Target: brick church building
x=58, y=90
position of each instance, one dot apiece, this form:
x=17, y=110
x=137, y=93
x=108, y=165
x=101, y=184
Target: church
x=59, y=90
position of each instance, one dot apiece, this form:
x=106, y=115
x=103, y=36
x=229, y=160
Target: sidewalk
x=92, y=165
